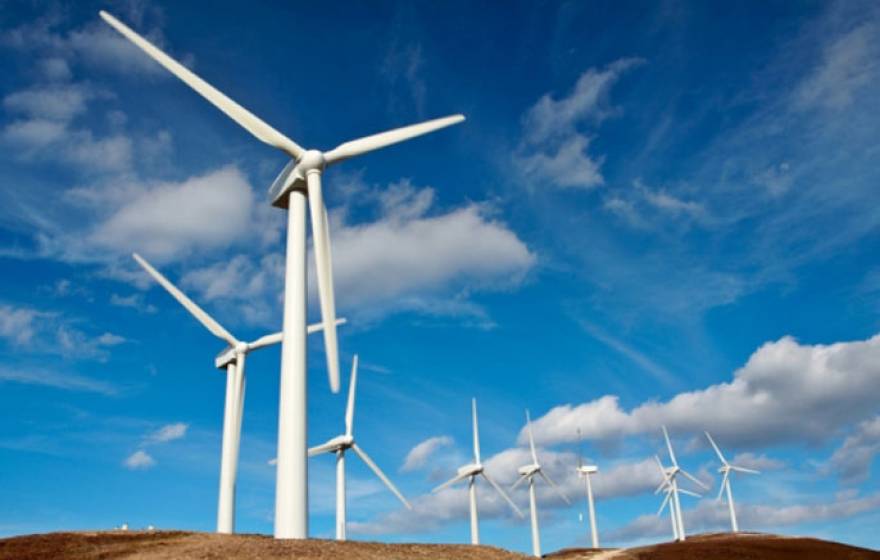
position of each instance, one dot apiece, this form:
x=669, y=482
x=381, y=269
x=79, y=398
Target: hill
x=179, y=545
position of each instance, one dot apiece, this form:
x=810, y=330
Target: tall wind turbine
x=528, y=472
x=232, y=359
x=673, y=473
x=297, y=186
x=471, y=472
x=666, y=485
x=342, y=443
x=587, y=471
x=725, y=469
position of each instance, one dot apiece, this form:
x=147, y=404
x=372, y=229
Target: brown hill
x=727, y=546
x=179, y=545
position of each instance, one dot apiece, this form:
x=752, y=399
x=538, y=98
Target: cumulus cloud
x=553, y=150
x=168, y=432
x=851, y=462
x=139, y=460
x=418, y=456
x=786, y=392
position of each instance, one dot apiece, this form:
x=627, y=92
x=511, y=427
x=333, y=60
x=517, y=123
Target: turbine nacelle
x=587, y=469
x=529, y=470
x=344, y=441
x=470, y=470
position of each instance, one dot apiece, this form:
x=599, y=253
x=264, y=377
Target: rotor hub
x=312, y=160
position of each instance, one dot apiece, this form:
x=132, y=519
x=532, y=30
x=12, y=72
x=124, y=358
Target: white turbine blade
x=723, y=482
x=689, y=493
x=380, y=474
x=383, y=139
x=531, y=437
x=694, y=479
x=349, y=409
x=206, y=320
x=554, y=486
x=476, y=431
x=665, y=501
x=450, y=482
x=665, y=482
x=669, y=447
x=744, y=470
x=324, y=269
x=502, y=493
x=275, y=338
x=518, y=482
x=326, y=447
x=233, y=110
x=715, y=447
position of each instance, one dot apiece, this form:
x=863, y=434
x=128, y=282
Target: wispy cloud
x=58, y=380
x=139, y=460
x=418, y=456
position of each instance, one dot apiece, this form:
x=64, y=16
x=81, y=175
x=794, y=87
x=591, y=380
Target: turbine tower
x=673, y=473
x=528, y=472
x=471, y=472
x=297, y=186
x=725, y=469
x=677, y=534
x=586, y=471
x=342, y=443
x=231, y=359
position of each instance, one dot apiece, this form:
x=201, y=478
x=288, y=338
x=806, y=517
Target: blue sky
x=652, y=215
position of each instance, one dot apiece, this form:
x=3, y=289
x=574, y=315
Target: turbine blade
x=723, y=482
x=206, y=320
x=384, y=139
x=715, y=447
x=324, y=269
x=697, y=481
x=275, y=338
x=744, y=470
x=689, y=493
x=503, y=494
x=531, y=437
x=476, y=431
x=518, y=482
x=366, y=459
x=554, y=486
x=349, y=410
x=317, y=327
x=247, y=120
x=669, y=447
x=450, y=482
x=665, y=501
x=326, y=447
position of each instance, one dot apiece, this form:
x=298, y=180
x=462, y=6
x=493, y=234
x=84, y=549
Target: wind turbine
x=586, y=471
x=471, y=472
x=667, y=500
x=297, y=186
x=342, y=443
x=528, y=472
x=673, y=473
x=726, y=469
x=232, y=359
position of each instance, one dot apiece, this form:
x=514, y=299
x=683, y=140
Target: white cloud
x=418, y=456
x=17, y=323
x=552, y=150
x=851, y=462
x=54, y=102
x=34, y=133
x=56, y=380
x=139, y=460
x=168, y=432
x=173, y=219
x=786, y=392
x=757, y=462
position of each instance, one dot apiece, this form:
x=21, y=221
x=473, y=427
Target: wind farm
x=636, y=248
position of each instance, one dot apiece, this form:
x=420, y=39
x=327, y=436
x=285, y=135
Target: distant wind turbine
x=673, y=473
x=528, y=472
x=471, y=472
x=666, y=485
x=342, y=443
x=725, y=469
x=297, y=187
x=232, y=359
x=586, y=472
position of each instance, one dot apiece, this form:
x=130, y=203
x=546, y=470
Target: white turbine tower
x=673, y=473
x=528, y=472
x=471, y=472
x=725, y=469
x=587, y=471
x=231, y=359
x=342, y=443
x=667, y=500
x=297, y=186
